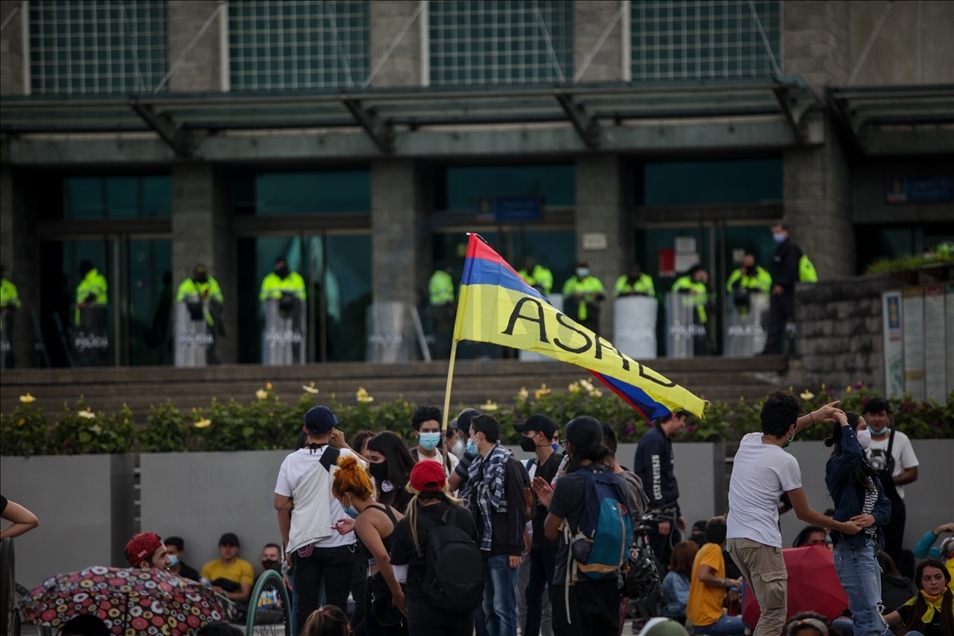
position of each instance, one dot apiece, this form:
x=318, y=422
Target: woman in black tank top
x=385, y=606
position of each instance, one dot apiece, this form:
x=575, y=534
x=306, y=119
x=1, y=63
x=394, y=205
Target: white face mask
x=864, y=438
x=778, y=237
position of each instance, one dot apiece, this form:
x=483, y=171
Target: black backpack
x=454, y=569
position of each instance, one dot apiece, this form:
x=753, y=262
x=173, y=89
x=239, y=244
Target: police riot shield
x=195, y=341
x=556, y=300
x=392, y=333
x=89, y=337
x=6, y=332
x=284, y=340
x=746, y=326
x=635, y=326
x=682, y=326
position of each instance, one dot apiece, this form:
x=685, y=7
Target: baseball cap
x=947, y=547
x=538, y=423
x=141, y=547
x=662, y=627
x=230, y=538
x=320, y=420
x=427, y=476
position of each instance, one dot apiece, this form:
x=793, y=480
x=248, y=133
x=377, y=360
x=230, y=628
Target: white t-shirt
x=760, y=474
x=299, y=465
x=902, y=451
x=439, y=458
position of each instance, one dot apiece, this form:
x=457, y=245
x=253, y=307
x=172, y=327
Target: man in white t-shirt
x=761, y=472
x=892, y=455
x=319, y=553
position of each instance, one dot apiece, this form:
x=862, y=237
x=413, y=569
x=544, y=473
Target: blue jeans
x=725, y=626
x=499, y=611
x=860, y=576
x=542, y=564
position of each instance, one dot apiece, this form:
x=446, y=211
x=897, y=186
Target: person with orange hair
x=675, y=587
x=385, y=603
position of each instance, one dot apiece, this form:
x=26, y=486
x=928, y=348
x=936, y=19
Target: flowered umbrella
x=130, y=601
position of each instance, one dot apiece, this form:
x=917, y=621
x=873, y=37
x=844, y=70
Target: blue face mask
x=555, y=446
x=173, y=560
x=582, y=272
x=429, y=441
x=778, y=237
x=471, y=447
x=351, y=512
x=877, y=431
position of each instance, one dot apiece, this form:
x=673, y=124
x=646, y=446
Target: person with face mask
x=426, y=427
x=203, y=297
x=390, y=465
x=175, y=546
x=384, y=602
x=582, y=295
x=283, y=285
x=537, y=435
x=761, y=472
x=785, y=273
x=693, y=288
x=858, y=496
x=636, y=283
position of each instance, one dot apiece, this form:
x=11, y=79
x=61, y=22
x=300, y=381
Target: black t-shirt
x=568, y=502
x=547, y=471
x=3, y=504
x=188, y=572
x=402, y=545
x=931, y=629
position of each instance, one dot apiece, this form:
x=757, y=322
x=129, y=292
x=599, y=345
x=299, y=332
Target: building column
x=12, y=48
x=604, y=230
x=400, y=240
x=205, y=67
x=404, y=66
x=816, y=190
x=202, y=233
x=19, y=253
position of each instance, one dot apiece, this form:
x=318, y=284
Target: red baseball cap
x=141, y=547
x=428, y=476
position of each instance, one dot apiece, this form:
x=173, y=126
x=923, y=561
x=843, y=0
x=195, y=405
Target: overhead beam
x=793, y=109
x=163, y=125
x=586, y=127
x=381, y=133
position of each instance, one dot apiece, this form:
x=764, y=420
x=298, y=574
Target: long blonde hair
x=414, y=506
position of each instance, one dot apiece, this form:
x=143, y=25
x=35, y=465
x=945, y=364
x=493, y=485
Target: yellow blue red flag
x=497, y=306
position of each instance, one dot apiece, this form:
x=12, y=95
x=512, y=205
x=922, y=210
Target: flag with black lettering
x=497, y=306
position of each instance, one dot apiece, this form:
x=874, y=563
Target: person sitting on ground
x=22, y=519
x=390, y=464
x=85, y=625
x=220, y=628
x=272, y=557
x=699, y=532
x=675, y=587
x=811, y=535
x=147, y=551
x=175, y=547
x=896, y=588
x=230, y=575
x=426, y=425
x=810, y=624
x=328, y=620
x=944, y=552
x=931, y=612
x=708, y=586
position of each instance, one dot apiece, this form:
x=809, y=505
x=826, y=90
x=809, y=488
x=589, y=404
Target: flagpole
x=447, y=389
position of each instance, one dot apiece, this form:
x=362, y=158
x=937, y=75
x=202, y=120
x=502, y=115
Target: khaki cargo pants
x=764, y=569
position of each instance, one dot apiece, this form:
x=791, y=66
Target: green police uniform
x=274, y=286
x=190, y=289
x=643, y=286
x=92, y=290
x=760, y=282
x=590, y=288
x=697, y=294
x=540, y=277
x=441, y=288
x=9, y=297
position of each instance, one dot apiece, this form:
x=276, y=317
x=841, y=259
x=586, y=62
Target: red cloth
x=427, y=476
x=141, y=547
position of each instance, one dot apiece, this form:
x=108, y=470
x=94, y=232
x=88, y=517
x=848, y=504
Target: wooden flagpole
x=447, y=389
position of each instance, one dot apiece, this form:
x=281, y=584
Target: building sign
x=893, y=344
x=919, y=189
x=508, y=209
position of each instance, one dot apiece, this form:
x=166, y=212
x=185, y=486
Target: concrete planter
x=85, y=504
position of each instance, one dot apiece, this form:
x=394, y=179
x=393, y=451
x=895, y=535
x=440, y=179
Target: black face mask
x=271, y=565
x=527, y=444
x=201, y=278
x=282, y=272
x=379, y=471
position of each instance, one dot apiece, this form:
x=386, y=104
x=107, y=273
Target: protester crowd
x=454, y=536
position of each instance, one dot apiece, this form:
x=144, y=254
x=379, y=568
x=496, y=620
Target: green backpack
x=806, y=271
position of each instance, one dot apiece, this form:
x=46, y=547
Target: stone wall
x=839, y=339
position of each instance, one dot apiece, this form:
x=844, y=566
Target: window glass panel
x=117, y=197
x=150, y=302
x=156, y=196
x=122, y=197
x=310, y=192
x=290, y=44
x=83, y=198
x=700, y=182
x=496, y=42
x=70, y=50
x=700, y=39
x=556, y=183
x=349, y=295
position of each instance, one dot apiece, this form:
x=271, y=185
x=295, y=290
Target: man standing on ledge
x=785, y=273
x=761, y=472
x=653, y=464
x=582, y=295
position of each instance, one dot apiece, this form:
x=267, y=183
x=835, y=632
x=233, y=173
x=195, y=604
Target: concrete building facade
x=357, y=138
